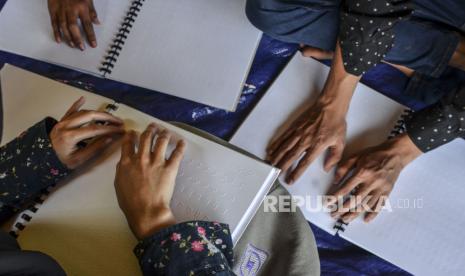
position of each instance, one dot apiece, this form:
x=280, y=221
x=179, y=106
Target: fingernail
x=93, y=44
x=71, y=44
x=58, y=40
x=82, y=47
x=108, y=140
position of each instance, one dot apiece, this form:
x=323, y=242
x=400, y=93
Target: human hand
x=64, y=15
x=319, y=128
x=369, y=177
x=145, y=180
x=77, y=126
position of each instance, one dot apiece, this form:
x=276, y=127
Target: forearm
x=28, y=165
x=339, y=87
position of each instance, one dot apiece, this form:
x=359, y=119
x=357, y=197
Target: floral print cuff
x=28, y=165
x=188, y=248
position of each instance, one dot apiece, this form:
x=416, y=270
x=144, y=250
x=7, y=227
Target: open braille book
x=198, y=50
x=80, y=223
x=424, y=232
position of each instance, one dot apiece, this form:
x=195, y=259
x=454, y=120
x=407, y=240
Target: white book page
x=81, y=221
x=215, y=183
x=370, y=118
x=25, y=29
x=424, y=232
x=198, y=50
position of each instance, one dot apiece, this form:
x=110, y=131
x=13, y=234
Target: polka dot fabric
x=366, y=31
x=439, y=124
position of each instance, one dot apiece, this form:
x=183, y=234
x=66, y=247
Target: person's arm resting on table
x=47, y=152
x=320, y=127
x=365, y=37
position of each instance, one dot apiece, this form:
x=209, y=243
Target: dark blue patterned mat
x=337, y=255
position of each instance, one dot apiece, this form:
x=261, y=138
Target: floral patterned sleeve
x=28, y=165
x=189, y=248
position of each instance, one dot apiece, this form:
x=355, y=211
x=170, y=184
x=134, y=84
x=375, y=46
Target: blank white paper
x=198, y=50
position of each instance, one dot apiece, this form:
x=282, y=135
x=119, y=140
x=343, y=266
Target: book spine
x=116, y=46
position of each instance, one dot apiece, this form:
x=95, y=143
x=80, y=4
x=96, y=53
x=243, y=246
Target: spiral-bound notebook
x=423, y=234
x=80, y=223
x=198, y=50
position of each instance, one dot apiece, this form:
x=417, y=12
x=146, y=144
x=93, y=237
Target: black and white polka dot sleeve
x=439, y=124
x=366, y=31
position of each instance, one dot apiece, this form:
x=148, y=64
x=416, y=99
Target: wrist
x=337, y=94
x=339, y=86
x=404, y=147
x=336, y=105
x=153, y=223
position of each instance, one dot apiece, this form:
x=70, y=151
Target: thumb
x=90, y=151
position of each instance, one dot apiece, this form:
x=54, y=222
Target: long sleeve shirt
x=366, y=36
x=366, y=31
x=439, y=124
x=29, y=165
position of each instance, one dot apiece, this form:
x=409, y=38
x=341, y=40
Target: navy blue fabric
x=337, y=255
x=311, y=22
x=422, y=42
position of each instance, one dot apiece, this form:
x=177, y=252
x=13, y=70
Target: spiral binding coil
x=398, y=129
x=26, y=216
x=340, y=226
x=400, y=126
x=118, y=42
